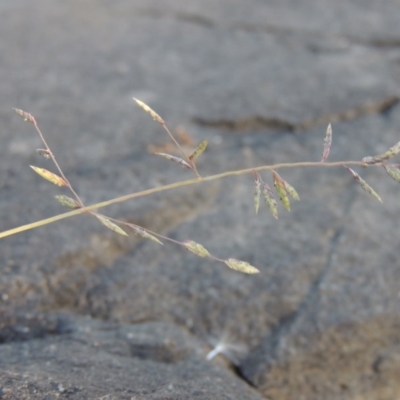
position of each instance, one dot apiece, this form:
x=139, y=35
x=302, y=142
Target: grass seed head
x=110, y=225
x=199, y=150
x=257, y=191
x=175, y=159
x=281, y=190
x=393, y=172
x=144, y=234
x=196, y=248
x=241, y=266
x=364, y=185
x=68, y=202
x=327, y=143
x=270, y=200
x=291, y=190
x=26, y=116
x=149, y=111
x=49, y=176
x=392, y=152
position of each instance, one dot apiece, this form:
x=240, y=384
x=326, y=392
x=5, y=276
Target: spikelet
x=270, y=200
x=392, y=152
x=150, y=111
x=175, y=159
x=241, y=266
x=364, y=185
x=198, y=150
x=68, y=202
x=26, y=116
x=143, y=233
x=257, y=191
x=110, y=225
x=281, y=190
x=327, y=143
x=291, y=190
x=393, y=172
x=49, y=176
x=196, y=248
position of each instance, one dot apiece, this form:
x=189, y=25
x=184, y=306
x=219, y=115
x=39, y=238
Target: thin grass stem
x=174, y=185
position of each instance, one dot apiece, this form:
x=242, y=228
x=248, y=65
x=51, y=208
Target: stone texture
x=260, y=81
x=97, y=360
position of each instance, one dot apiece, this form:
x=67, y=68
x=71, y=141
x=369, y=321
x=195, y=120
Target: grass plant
x=283, y=191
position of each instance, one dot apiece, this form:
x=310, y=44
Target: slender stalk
x=174, y=186
x=166, y=238
x=56, y=163
x=185, y=157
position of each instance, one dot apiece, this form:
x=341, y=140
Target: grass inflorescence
x=284, y=191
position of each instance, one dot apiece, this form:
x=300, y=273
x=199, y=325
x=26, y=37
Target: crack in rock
x=207, y=22
x=268, y=349
x=257, y=122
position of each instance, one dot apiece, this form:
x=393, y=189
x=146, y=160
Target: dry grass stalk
x=283, y=188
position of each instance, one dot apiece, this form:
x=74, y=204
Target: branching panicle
x=282, y=187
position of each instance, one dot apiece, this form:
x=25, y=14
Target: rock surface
x=98, y=360
x=87, y=314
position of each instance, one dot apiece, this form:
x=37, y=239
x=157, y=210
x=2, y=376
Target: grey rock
x=101, y=360
x=260, y=81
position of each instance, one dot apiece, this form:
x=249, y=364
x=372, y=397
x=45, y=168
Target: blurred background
x=260, y=80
